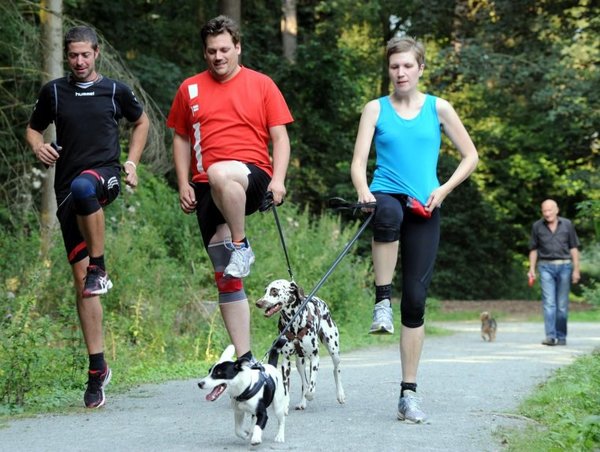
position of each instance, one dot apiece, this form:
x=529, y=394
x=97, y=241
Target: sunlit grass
x=565, y=411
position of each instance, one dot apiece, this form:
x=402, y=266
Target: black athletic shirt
x=86, y=121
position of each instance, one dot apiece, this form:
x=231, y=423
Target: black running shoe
x=97, y=381
x=96, y=282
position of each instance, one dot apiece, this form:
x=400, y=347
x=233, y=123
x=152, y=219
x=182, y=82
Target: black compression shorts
x=107, y=189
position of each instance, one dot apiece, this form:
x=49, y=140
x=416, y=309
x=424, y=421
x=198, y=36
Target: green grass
x=565, y=411
x=585, y=316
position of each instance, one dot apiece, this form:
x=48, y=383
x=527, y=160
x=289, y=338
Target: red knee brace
x=228, y=285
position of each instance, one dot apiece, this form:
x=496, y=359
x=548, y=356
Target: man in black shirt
x=86, y=108
x=554, y=248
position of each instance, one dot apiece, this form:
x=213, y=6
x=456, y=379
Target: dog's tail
x=273, y=357
x=275, y=350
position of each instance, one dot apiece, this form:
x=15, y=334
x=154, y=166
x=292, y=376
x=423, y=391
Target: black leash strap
x=285, y=251
x=269, y=204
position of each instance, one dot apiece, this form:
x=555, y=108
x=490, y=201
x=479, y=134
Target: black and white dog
x=314, y=323
x=252, y=390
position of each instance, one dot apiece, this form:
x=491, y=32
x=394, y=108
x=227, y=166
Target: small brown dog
x=488, y=327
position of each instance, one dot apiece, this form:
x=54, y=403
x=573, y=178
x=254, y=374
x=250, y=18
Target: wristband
x=132, y=164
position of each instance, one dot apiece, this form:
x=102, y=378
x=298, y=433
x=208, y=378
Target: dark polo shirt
x=557, y=245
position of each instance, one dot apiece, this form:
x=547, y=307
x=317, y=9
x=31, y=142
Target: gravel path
x=469, y=390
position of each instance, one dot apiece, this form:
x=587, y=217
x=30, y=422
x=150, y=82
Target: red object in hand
x=417, y=208
x=531, y=280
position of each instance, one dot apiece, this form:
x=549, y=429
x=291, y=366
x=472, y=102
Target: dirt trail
x=469, y=388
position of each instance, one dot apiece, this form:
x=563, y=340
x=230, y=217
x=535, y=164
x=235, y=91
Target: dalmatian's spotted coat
x=302, y=338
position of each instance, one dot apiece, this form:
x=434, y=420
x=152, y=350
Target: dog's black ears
x=237, y=365
x=297, y=290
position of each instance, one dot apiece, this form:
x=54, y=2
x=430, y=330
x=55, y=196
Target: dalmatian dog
x=312, y=325
x=253, y=389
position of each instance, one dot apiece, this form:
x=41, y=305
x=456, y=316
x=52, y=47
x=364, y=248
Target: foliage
x=19, y=373
x=526, y=76
x=20, y=73
x=566, y=408
x=589, y=212
x=590, y=271
x=472, y=233
x=322, y=147
x=522, y=76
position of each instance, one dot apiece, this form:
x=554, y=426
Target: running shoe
x=97, y=381
x=408, y=408
x=96, y=282
x=383, y=322
x=239, y=263
x=550, y=341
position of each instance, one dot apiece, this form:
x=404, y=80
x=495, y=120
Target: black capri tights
x=419, y=240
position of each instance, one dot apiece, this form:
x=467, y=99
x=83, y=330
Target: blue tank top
x=407, y=151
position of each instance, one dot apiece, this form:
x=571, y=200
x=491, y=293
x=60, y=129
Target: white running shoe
x=239, y=263
x=383, y=322
x=408, y=408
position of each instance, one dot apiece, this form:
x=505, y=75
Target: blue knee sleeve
x=85, y=198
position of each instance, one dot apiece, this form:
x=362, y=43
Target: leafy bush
x=590, y=274
x=19, y=354
x=474, y=260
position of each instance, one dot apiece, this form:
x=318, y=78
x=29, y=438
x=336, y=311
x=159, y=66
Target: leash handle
x=318, y=286
x=338, y=203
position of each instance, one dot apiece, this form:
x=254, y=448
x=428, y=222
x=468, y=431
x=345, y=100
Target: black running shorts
x=208, y=214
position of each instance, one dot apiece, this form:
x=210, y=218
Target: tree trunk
x=289, y=29
x=52, y=36
x=386, y=35
x=231, y=8
x=458, y=33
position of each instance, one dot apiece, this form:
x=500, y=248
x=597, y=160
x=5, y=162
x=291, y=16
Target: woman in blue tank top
x=407, y=126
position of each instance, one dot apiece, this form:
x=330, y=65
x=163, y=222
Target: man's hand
x=278, y=190
x=47, y=153
x=187, y=198
x=130, y=169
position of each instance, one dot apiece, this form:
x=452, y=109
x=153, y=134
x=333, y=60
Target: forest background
x=523, y=75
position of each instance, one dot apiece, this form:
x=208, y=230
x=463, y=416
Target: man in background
x=554, y=248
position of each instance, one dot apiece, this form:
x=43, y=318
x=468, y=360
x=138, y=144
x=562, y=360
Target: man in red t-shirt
x=224, y=119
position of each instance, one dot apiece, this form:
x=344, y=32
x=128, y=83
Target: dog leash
x=267, y=204
x=337, y=204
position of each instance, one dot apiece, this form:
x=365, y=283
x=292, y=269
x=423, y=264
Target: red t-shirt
x=229, y=120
